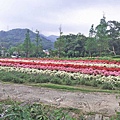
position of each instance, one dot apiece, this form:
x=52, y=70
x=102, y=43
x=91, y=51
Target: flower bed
x=93, y=67
x=98, y=70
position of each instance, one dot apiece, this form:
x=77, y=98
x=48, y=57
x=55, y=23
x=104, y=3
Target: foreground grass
x=12, y=110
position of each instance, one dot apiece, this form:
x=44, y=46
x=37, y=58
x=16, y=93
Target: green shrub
x=81, y=81
x=94, y=83
x=107, y=85
x=39, y=78
x=117, y=84
x=56, y=80
x=68, y=82
x=44, y=79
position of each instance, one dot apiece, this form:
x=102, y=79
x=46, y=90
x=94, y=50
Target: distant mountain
x=17, y=36
x=53, y=38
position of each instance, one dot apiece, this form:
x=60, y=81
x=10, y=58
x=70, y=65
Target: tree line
x=103, y=40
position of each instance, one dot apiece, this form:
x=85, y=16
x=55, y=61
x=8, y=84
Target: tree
x=114, y=37
x=102, y=36
x=92, y=31
x=79, y=47
x=38, y=44
x=27, y=44
x=71, y=45
x=59, y=44
x=91, y=43
x=91, y=46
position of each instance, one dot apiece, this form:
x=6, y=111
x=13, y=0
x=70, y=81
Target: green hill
x=16, y=36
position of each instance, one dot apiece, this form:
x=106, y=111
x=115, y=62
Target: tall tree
x=102, y=36
x=38, y=44
x=27, y=44
x=59, y=44
x=91, y=43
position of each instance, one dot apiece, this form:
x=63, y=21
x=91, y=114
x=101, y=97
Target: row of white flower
x=62, y=74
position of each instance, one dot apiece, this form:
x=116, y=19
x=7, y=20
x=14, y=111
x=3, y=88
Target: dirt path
x=88, y=102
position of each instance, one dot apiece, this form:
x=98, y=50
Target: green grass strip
x=73, y=88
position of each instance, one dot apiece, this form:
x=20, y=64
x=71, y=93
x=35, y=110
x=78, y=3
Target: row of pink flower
x=37, y=64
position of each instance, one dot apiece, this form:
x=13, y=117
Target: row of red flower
x=87, y=60
x=66, y=61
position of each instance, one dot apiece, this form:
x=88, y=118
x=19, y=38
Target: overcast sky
x=75, y=16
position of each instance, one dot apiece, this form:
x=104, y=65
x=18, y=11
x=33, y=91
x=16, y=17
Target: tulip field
x=103, y=74
x=86, y=72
